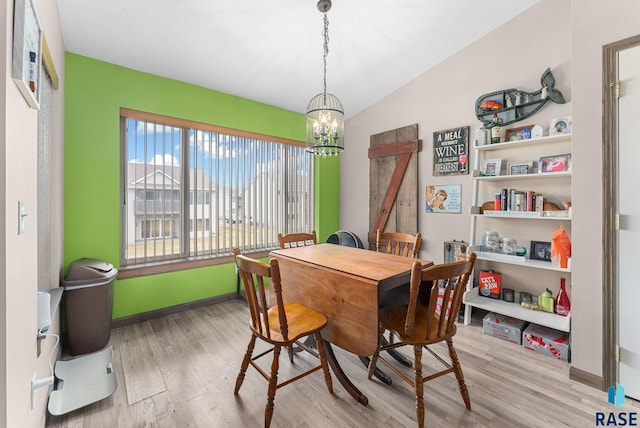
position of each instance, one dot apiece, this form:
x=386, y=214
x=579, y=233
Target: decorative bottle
x=563, y=306
x=495, y=129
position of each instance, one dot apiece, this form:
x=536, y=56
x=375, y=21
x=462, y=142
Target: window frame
x=186, y=260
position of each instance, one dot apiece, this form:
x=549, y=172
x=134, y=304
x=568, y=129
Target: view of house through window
x=195, y=190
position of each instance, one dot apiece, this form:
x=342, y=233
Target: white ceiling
x=271, y=51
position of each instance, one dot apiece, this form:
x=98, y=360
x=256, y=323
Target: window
x=192, y=190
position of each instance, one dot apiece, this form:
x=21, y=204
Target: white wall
x=565, y=36
x=515, y=55
x=594, y=24
x=18, y=254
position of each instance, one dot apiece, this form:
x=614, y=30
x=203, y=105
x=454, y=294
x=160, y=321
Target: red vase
x=563, y=305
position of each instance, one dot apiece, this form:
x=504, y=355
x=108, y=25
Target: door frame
x=610, y=207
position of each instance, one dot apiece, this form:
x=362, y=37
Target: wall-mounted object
x=444, y=199
x=451, y=151
x=513, y=105
x=27, y=51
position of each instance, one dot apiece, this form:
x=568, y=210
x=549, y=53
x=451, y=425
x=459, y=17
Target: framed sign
x=451, y=151
x=444, y=199
x=27, y=51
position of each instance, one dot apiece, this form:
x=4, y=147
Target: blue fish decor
x=512, y=105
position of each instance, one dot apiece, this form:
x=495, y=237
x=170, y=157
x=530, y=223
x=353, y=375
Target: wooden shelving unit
x=531, y=225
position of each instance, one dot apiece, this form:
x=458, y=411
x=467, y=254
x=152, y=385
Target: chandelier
x=325, y=114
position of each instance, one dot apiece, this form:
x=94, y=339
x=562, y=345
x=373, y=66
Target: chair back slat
x=447, y=284
x=293, y=240
x=400, y=244
x=258, y=278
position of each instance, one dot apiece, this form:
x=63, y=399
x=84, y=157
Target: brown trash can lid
x=88, y=272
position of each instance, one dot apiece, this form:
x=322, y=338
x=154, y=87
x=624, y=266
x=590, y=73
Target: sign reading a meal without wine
x=451, y=151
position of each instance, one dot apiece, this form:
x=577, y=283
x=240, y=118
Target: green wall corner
x=94, y=93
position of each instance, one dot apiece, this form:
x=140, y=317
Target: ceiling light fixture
x=325, y=114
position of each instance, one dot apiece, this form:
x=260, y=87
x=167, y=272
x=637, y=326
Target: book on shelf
x=490, y=284
x=519, y=200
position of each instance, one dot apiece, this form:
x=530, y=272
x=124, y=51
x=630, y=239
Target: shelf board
x=472, y=298
x=516, y=144
x=535, y=176
x=516, y=215
x=520, y=261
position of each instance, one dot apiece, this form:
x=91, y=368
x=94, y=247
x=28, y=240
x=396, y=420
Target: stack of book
x=518, y=200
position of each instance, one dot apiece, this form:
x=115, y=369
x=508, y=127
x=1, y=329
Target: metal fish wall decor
x=512, y=105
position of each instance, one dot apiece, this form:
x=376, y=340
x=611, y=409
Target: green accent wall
x=94, y=93
x=327, y=197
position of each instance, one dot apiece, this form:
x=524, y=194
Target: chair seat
x=394, y=319
x=301, y=321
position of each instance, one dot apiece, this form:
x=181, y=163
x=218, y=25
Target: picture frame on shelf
x=518, y=134
x=540, y=250
x=560, y=125
x=27, y=51
x=491, y=167
x=556, y=163
x=537, y=132
x=519, y=168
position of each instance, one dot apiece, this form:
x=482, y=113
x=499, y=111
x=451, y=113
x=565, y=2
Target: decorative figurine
x=518, y=98
x=508, y=100
x=544, y=93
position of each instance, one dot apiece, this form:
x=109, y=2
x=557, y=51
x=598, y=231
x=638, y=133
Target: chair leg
x=323, y=361
x=417, y=349
x=273, y=385
x=245, y=364
x=395, y=354
x=457, y=369
x=309, y=341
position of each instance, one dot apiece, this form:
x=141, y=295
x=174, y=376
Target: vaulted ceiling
x=271, y=51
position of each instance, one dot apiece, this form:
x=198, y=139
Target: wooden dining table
x=345, y=284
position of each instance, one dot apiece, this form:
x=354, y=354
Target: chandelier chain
x=325, y=34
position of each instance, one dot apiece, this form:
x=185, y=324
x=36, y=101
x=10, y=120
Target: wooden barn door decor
x=393, y=180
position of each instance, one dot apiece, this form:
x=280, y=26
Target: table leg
x=342, y=377
x=378, y=373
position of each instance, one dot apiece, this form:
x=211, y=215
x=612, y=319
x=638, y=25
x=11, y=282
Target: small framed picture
x=491, y=167
x=560, y=125
x=519, y=168
x=540, y=251
x=517, y=134
x=557, y=163
x=27, y=51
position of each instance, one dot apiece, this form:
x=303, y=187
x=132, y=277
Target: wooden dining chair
x=280, y=325
x=400, y=244
x=419, y=325
x=292, y=240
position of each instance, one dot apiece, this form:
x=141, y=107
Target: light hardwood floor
x=180, y=371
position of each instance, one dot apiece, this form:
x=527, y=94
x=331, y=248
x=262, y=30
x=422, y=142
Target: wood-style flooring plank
x=140, y=372
x=180, y=371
